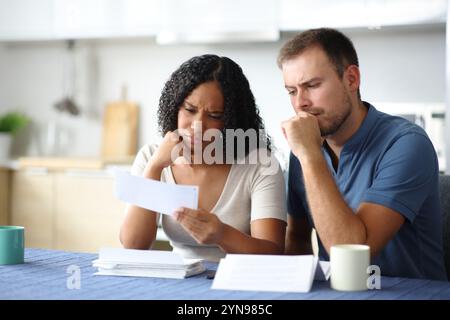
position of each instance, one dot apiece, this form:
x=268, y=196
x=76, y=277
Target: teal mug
x=11, y=244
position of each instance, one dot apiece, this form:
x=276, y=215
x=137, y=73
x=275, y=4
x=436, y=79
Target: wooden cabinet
x=67, y=211
x=73, y=210
x=87, y=214
x=32, y=197
x=4, y=196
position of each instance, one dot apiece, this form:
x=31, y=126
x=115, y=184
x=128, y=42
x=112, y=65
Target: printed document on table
x=154, y=195
x=266, y=273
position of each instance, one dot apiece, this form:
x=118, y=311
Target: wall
x=447, y=87
x=398, y=65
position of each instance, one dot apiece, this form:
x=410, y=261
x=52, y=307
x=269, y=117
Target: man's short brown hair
x=337, y=46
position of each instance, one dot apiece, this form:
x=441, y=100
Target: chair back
x=444, y=193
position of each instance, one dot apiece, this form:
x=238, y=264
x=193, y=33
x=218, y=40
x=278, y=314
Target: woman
x=241, y=209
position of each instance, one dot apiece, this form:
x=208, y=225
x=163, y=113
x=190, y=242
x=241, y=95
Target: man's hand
x=203, y=226
x=302, y=133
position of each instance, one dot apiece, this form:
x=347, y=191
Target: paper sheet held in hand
x=154, y=195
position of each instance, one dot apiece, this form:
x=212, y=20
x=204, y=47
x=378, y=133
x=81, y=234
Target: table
x=44, y=275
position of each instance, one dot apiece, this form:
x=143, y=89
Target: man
x=356, y=175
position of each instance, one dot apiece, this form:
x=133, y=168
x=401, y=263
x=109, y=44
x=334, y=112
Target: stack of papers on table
x=269, y=273
x=146, y=263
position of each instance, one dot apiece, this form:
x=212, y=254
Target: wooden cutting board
x=120, y=130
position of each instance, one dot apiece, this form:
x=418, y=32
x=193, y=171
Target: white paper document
x=145, y=263
x=154, y=195
x=267, y=273
x=322, y=271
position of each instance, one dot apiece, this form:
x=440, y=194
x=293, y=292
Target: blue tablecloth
x=44, y=276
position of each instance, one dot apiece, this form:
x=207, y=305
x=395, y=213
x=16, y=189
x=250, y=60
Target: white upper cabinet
x=84, y=18
x=105, y=18
x=171, y=21
x=77, y=19
x=304, y=14
x=25, y=19
x=218, y=21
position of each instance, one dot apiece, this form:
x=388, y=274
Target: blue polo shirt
x=391, y=162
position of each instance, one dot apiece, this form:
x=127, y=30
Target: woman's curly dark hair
x=240, y=110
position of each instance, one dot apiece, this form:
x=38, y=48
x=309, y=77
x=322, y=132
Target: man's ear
x=352, y=77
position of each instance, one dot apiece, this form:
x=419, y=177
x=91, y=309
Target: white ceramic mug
x=349, y=263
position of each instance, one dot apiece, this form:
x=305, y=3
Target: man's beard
x=338, y=120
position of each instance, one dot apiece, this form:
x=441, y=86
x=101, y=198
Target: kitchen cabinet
x=25, y=19
x=73, y=210
x=4, y=195
x=227, y=20
x=298, y=15
x=66, y=208
x=67, y=211
x=32, y=197
x=77, y=19
x=59, y=210
x=104, y=18
x=87, y=215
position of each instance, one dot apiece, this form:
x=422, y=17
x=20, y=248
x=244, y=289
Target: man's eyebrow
x=310, y=80
x=305, y=82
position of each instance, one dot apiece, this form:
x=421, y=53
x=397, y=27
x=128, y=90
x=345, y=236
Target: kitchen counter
x=61, y=163
x=8, y=165
x=69, y=165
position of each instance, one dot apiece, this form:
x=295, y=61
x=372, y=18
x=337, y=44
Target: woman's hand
x=203, y=226
x=166, y=152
